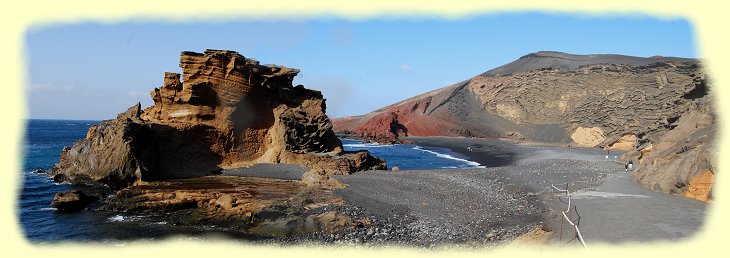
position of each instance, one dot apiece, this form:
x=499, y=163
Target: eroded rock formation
x=72, y=201
x=260, y=206
x=609, y=101
x=223, y=111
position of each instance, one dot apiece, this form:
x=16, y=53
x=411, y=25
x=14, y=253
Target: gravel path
x=620, y=211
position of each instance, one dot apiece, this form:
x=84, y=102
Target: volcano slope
x=657, y=109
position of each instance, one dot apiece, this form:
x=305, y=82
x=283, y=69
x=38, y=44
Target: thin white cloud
x=406, y=67
x=47, y=87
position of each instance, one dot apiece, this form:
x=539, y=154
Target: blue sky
x=94, y=70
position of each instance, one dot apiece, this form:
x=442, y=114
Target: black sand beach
x=614, y=209
x=473, y=206
x=496, y=153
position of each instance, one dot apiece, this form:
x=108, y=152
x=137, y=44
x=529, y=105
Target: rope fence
x=567, y=215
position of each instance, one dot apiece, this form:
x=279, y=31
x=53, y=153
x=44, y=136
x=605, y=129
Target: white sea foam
x=47, y=209
x=364, y=145
x=446, y=156
x=134, y=218
x=117, y=218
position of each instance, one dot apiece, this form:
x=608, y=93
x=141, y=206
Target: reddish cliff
x=423, y=115
x=227, y=111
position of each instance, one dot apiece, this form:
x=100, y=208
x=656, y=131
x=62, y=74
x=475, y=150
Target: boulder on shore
x=72, y=201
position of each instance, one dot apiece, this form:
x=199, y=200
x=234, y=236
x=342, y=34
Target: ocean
x=412, y=157
x=45, y=139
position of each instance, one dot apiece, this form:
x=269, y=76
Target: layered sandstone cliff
x=223, y=111
x=609, y=101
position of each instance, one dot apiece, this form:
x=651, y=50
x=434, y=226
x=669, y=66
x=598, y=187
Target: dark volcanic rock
x=228, y=111
x=60, y=178
x=544, y=59
x=114, y=152
x=72, y=201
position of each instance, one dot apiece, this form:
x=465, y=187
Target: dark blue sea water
x=412, y=157
x=44, y=141
x=46, y=138
x=43, y=144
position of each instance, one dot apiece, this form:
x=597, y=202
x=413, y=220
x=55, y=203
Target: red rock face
x=228, y=111
x=418, y=116
x=409, y=117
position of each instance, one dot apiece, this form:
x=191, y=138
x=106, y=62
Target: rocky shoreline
x=472, y=207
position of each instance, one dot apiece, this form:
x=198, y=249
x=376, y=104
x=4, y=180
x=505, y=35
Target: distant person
x=468, y=148
x=629, y=166
x=608, y=152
